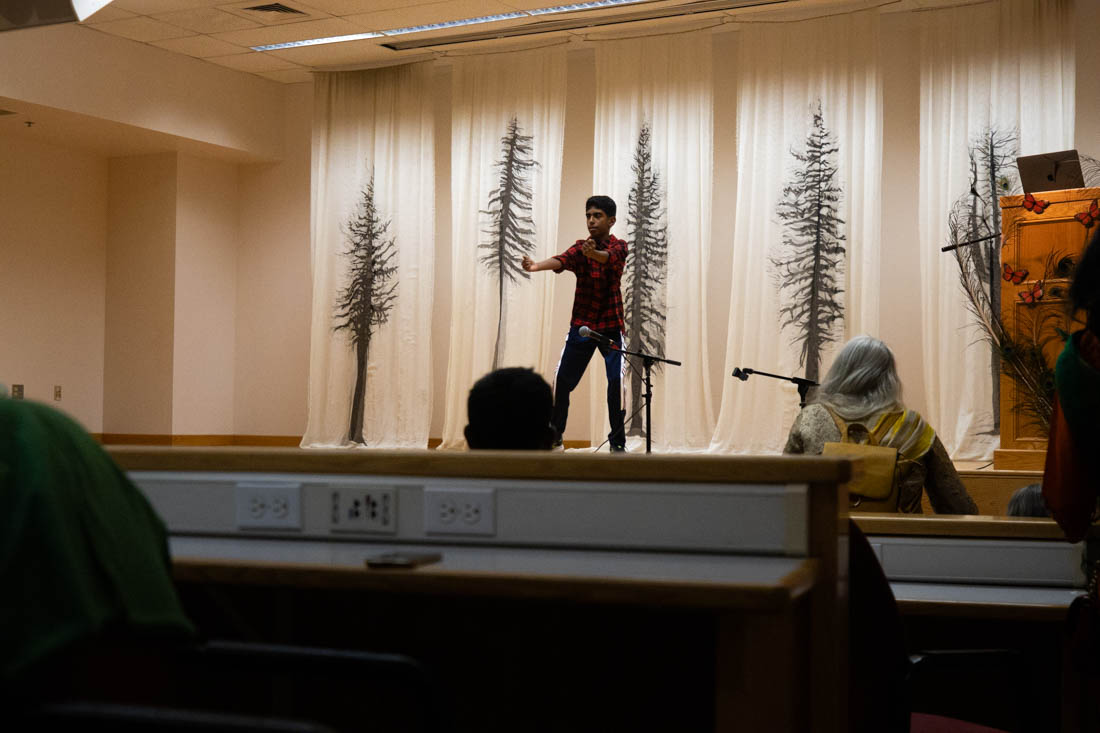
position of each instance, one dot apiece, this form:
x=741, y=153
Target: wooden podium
x=1043, y=235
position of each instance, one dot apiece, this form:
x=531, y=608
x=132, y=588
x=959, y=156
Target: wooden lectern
x=1043, y=236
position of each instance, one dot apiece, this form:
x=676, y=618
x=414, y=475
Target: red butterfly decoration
x=1090, y=217
x=1014, y=276
x=1033, y=204
x=1030, y=297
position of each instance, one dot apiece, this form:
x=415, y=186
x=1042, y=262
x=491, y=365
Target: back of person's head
x=1084, y=291
x=509, y=409
x=606, y=204
x=1028, y=502
x=863, y=379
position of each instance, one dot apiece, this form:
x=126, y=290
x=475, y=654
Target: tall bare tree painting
x=646, y=267
x=511, y=231
x=977, y=214
x=810, y=261
x=365, y=303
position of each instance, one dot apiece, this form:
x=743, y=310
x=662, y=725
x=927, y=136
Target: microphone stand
x=967, y=243
x=803, y=384
x=648, y=360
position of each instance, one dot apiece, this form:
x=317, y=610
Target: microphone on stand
x=742, y=374
x=599, y=338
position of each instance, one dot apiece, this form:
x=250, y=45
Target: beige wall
x=124, y=81
x=140, y=295
x=274, y=282
x=53, y=246
x=207, y=235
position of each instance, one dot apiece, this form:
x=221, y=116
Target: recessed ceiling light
x=454, y=23
x=317, y=41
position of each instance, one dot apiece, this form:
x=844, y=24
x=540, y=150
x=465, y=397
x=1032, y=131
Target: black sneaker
x=558, y=445
x=618, y=449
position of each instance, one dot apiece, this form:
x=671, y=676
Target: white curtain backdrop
x=786, y=70
x=380, y=121
x=664, y=82
x=1007, y=65
x=489, y=92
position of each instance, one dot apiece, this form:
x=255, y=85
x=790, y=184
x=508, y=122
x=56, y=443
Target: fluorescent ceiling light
x=454, y=23
x=317, y=41
x=86, y=8
x=594, y=5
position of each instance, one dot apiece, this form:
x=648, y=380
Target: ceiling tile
x=142, y=29
x=358, y=7
x=108, y=13
x=154, y=7
x=424, y=14
x=291, y=32
x=338, y=54
x=207, y=20
x=252, y=62
x=288, y=76
x=200, y=46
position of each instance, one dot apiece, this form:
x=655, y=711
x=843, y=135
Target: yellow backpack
x=874, y=485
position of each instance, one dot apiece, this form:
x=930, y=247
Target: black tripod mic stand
x=648, y=360
x=803, y=384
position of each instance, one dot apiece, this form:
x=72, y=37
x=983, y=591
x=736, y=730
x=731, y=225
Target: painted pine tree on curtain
x=511, y=230
x=977, y=214
x=365, y=303
x=646, y=268
x=810, y=260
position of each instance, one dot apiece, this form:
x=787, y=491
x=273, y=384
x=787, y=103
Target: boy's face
x=599, y=223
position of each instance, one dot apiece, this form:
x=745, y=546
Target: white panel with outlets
x=269, y=505
x=459, y=511
x=370, y=509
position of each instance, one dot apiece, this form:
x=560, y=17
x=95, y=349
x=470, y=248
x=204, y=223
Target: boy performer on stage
x=598, y=304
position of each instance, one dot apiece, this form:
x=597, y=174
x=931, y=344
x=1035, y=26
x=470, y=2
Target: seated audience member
x=1071, y=479
x=862, y=390
x=509, y=409
x=83, y=558
x=1028, y=502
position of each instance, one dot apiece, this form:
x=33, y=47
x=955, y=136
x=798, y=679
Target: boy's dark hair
x=606, y=204
x=1028, y=502
x=509, y=409
x=1084, y=291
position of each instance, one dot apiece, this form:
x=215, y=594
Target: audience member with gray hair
x=862, y=391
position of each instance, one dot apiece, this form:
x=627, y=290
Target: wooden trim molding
x=488, y=464
x=1028, y=528
x=279, y=441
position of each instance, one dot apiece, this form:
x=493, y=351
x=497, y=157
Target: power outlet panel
x=269, y=505
x=361, y=509
x=459, y=511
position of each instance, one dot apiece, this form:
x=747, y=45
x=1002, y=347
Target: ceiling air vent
x=274, y=8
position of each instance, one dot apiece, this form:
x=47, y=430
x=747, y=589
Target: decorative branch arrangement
x=811, y=260
x=646, y=268
x=366, y=302
x=511, y=230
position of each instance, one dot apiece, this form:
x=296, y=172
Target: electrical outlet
x=57, y=393
x=269, y=505
x=459, y=511
x=364, y=509
x=17, y=391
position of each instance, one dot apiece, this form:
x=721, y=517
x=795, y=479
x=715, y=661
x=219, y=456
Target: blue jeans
x=574, y=360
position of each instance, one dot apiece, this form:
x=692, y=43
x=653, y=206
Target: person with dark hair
x=861, y=396
x=1071, y=478
x=598, y=263
x=509, y=409
x=1027, y=501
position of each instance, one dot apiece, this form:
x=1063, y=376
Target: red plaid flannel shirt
x=597, y=301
